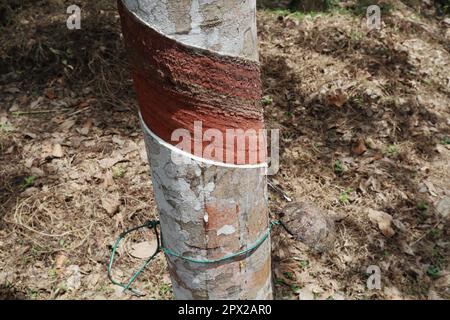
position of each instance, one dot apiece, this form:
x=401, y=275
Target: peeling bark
x=192, y=61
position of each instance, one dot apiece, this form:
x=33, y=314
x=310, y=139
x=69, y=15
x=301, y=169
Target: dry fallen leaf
x=109, y=162
x=50, y=94
x=60, y=260
x=29, y=135
x=29, y=163
x=67, y=124
x=431, y=189
x=406, y=248
x=92, y=280
x=443, y=207
x=360, y=147
x=306, y=293
x=337, y=98
x=74, y=280
x=111, y=204
x=86, y=127
x=383, y=220
x=57, y=151
x=36, y=102
x=37, y=172
x=144, y=250
x=108, y=179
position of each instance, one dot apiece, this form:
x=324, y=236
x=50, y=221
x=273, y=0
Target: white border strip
x=194, y=157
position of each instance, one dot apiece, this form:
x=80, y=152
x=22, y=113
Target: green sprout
x=446, y=140
x=6, y=127
x=422, y=206
x=392, y=150
x=338, y=167
x=28, y=182
x=267, y=100
x=344, y=197
x=433, y=271
x=118, y=172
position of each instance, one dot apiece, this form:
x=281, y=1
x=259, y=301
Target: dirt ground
x=364, y=118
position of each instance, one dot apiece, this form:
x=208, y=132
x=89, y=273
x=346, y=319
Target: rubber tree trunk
x=196, y=72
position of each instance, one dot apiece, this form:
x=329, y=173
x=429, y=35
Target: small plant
x=288, y=275
x=165, y=288
x=356, y=36
x=52, y=274
x=295, y=288
x=317, y=295
x=61, y=288
x=435, y=233
x=357, y=101
x=32, y=293
x=344, y=197
x=391, y=150
x=446, y=140
x=303, y=264
x=28, y=182
x=267, y=100
x=118, y=172
x=338, y=167
x=422, y=206
x=5, y=127
x=433, y=271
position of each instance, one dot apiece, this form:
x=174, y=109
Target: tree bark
x=193, y=62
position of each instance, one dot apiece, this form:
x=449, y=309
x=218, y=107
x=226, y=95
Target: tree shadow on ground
x=9, y=293
x=326, y=125
x=273, y=4
x=54, y=75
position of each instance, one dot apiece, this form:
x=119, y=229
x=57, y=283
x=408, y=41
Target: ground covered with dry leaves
x=364, y=119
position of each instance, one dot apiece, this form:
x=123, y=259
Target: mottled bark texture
x=197, y=60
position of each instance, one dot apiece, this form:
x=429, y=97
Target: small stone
x=443, y=207
x=111, y=204
x=306, y=293
x=310, y=225
x=74, y=280
x=57, y=151
x=383, y=220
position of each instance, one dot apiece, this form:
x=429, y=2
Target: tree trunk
x=196, y=72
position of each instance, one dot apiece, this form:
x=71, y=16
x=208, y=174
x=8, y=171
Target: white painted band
x=194, y=157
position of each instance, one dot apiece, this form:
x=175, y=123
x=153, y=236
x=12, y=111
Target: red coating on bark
x=177, y=85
